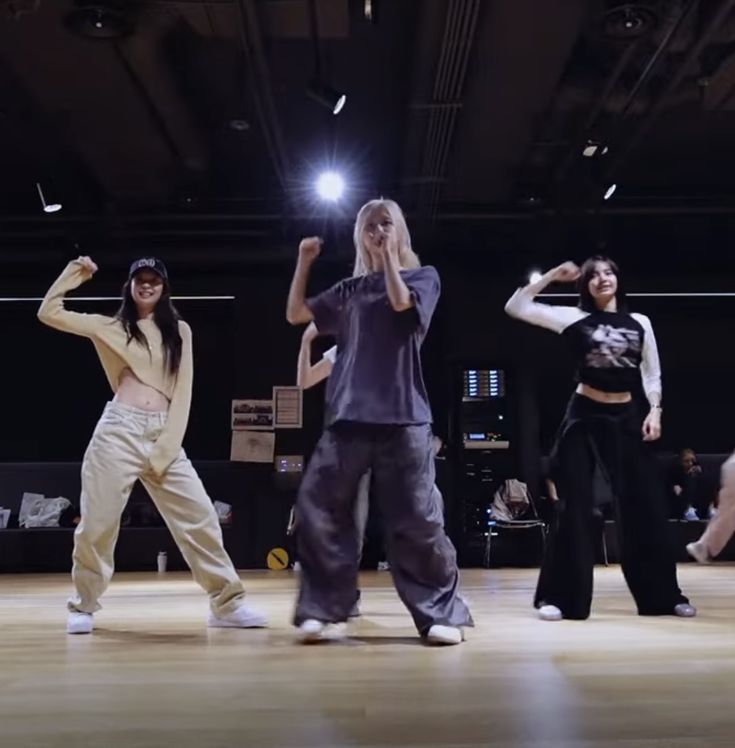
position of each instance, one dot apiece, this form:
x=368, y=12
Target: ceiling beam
x=712, y=27
x=251, y=38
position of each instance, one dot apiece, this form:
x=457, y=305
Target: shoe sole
x=315, y=638
x=255, y=623
x=328, y=634
x=686, y=615
x=438, y=641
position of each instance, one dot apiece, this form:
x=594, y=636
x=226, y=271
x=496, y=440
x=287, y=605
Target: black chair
x=532, y=522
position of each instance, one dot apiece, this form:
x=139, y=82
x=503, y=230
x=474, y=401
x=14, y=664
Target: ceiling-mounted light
x=593, y=148
x=327, y=96
x=47, y=207
x=319, y=90
x=627, y=21
x=610, y=191
x=105, y=19
x=590, y=148
x=330, y=186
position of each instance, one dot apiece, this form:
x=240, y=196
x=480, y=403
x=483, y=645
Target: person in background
x=308, y=375
x=689, y=489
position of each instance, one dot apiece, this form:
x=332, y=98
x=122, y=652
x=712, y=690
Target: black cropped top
x=608, y=350
x=613, y=351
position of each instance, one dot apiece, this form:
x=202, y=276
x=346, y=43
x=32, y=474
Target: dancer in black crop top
x=601, y=443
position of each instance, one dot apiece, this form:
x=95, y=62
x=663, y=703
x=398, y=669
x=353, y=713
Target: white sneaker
x=243, y=617
x=335, y=632
x=698, y=552
x=550, y=613
x=79, y=623
x=684, y=610
x=439, y=634
x=312, y=631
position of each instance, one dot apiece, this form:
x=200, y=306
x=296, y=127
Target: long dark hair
x=586, y=300
x=164, y=315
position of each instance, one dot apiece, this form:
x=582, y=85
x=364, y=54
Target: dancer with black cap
x=146, y=352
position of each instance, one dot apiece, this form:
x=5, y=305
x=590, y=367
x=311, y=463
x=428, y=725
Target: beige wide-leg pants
x=116, y=457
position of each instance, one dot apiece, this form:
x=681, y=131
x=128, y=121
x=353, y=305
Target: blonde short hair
x=407, y=258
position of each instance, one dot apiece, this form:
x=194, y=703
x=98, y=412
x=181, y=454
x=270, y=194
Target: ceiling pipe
x=657, y=56
x=459, y=34
x=152, y=77
x=583, y=133
x=632, y=95
x=252, y=42
x=715, y=23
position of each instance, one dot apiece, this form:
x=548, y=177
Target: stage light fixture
x=328, y=96
x=47, y=207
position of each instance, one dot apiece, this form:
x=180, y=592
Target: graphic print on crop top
x=608, y=350
x=612, y=347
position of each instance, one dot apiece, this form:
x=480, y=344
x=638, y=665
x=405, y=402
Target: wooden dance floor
x=153, y=675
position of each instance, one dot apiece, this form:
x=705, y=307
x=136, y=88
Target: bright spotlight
x=534, y=276
x=610, y=191
x=330, y=186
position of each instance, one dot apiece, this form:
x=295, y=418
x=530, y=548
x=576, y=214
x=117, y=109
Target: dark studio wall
x=54, y=386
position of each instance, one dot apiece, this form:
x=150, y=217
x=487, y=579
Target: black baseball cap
x=149, y=263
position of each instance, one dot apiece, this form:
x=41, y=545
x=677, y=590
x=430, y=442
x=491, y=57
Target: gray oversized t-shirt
x=377, y=376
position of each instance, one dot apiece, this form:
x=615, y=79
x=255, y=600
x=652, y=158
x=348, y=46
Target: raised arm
x=521, y=304
x=308, y=374
x=297, y=312
x=399, y=294
x=52, y=311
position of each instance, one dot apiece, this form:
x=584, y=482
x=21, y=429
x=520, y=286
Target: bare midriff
x=603, y=397
x=131, y=391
